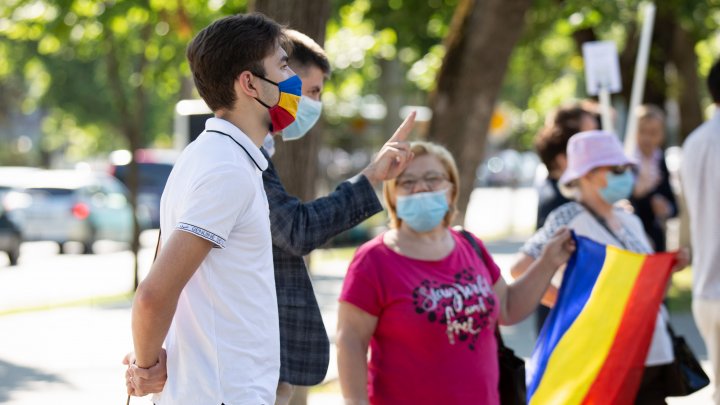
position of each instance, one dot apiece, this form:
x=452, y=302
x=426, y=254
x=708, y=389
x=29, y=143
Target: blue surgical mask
x=308, y=114
x=619, y=186
x=423, y=211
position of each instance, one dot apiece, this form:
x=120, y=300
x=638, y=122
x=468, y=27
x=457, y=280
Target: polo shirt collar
x=716, y=113
x=254, y=153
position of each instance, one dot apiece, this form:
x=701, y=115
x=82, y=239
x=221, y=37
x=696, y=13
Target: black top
x=549, y=198
x=643, y=209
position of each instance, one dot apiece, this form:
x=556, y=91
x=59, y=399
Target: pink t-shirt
x=434, y=342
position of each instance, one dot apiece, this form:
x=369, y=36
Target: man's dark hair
x=305, y=52
x=553, y=138
x=228, y=47
x=713, y=82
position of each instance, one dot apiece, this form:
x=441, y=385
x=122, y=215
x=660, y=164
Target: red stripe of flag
x=619, y=379
x=283, y=117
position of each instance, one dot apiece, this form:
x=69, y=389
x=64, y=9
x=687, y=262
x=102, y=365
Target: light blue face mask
x=423, y=211
x=269, y=145
x=308, y=114
x=619, y=186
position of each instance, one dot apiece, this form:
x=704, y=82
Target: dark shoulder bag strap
x=604, y=224
x=481, y=255
x=475, y=245
x=157, y=247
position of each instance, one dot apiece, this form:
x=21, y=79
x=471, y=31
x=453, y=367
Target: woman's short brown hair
x=650, y=111
x=561, y=124
x=420, y=148
x=228, y=47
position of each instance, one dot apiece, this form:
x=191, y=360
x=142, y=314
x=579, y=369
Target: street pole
x=639, y=78
x=605, y=116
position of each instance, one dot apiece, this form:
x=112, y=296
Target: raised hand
x=560, y=247
x=682, y=259
x=394, y=156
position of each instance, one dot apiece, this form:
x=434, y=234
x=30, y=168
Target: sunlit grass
x=331, y=386
x=679, y=296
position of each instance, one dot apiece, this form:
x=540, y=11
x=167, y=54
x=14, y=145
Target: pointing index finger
x=404, y=129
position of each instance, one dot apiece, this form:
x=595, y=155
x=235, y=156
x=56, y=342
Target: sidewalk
x=72, y=355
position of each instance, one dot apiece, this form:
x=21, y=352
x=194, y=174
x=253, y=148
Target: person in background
x=597, y=176
x=652, y=197
x=700, y=178
x=550, y=144
x=425, y=303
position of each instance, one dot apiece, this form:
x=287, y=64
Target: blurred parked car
x=10, y=238
x=154, y=167
x=507, y=168
x=12, y=181
x=66, y=205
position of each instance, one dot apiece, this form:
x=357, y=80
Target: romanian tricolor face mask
x=283, y=113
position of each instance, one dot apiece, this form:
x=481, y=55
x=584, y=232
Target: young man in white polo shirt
x=210, y=295
x=700, y=176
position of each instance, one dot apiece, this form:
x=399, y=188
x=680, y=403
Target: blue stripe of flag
x=581, y=273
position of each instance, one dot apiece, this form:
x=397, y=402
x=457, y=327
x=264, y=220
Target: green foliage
x=100, y=65
x=56, y=57
x=546, y=69
x=364, y=32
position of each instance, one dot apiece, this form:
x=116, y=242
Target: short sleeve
x=361, y=286
x=558, y=218
x=214, y=204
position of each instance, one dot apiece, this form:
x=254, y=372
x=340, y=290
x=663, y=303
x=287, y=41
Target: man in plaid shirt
x=298, y=228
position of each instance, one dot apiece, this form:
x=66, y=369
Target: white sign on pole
x=602, y=67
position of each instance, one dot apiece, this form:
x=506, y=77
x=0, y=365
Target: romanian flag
x=593, y=346
x=285, y=111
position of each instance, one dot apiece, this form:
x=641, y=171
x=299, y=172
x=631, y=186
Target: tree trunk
x=661, y=44
x=296, y=162
x=582, y=36
x=482, y=36
x=131, y=111
x=628, y=58
x=656, y=87
x=691, y=115
x=392, y=83
x=133, y=180
x=685, y=60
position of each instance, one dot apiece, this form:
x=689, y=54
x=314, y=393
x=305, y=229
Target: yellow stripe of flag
x=581, y=352
x=289, y=102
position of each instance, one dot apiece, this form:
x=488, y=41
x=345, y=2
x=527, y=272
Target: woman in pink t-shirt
x=423, y=301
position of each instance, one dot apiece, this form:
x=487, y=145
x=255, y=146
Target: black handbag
x=684, y=375
x=512, y=374
x=512, y=368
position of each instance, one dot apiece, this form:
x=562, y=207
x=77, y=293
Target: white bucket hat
x=591, y=149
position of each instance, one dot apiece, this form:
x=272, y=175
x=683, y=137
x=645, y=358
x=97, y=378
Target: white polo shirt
x=223, y=345
x=700, y=176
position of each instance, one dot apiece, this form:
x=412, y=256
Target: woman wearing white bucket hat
x=598, y=175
